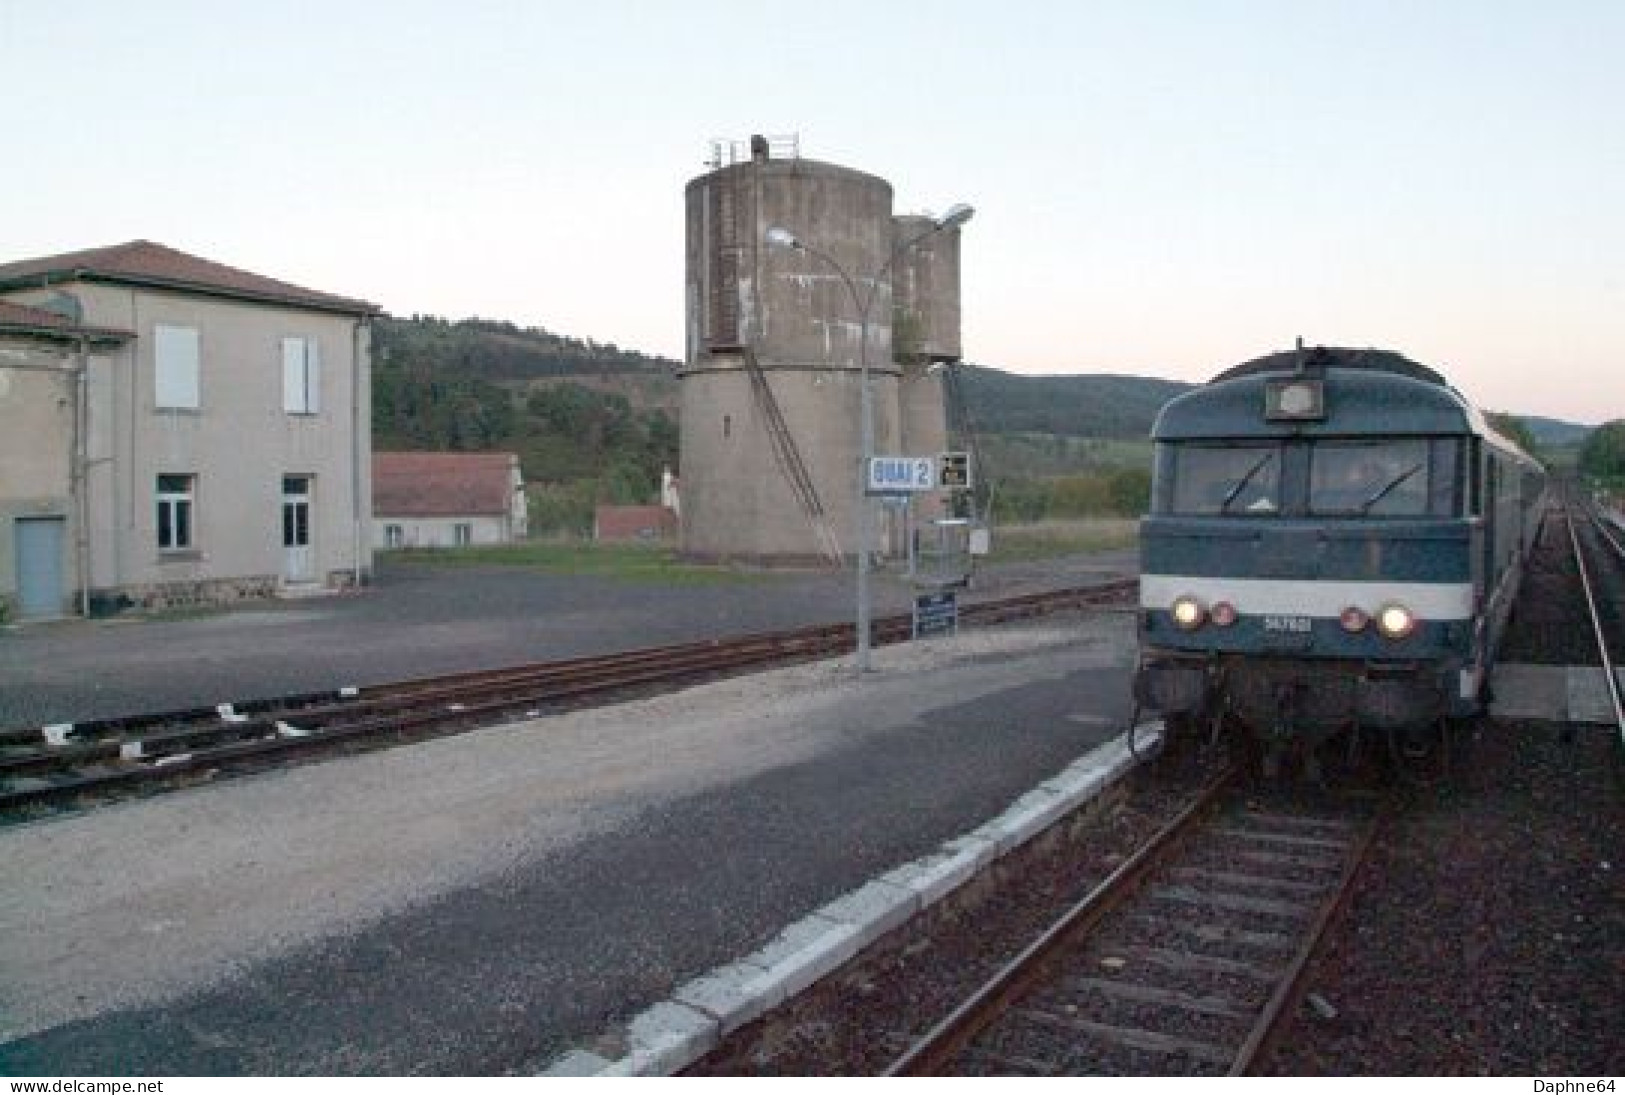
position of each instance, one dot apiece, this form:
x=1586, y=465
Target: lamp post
x=783, y=237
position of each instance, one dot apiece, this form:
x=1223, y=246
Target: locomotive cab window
x=1394, y=477
x=1209, y=480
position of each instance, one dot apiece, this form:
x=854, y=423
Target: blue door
x=39, y=566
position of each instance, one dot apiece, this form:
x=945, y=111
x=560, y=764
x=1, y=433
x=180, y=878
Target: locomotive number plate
x=1295, y=625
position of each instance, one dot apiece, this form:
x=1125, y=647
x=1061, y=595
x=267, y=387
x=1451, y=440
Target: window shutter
x=175, y=359
x=301, y=376
x=293, y=375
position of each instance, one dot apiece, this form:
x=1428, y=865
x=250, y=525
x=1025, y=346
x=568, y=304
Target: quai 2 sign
x=900, y=474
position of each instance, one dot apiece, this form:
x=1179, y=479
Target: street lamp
x=782, y=237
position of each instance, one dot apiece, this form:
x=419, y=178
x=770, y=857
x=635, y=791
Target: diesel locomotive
x=1334, y=543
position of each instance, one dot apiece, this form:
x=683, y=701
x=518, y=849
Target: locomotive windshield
x=1388, y=478
x=1214, y=479
x=1322, y=477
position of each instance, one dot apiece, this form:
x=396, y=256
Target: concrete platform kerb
x=672, y=1034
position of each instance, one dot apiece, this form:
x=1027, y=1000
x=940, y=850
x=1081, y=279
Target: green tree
x=627, y=484
x=562, y=409
x=1603, y=454
x=1130, y=491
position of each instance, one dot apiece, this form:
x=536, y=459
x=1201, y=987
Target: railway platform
x=482, y=904
x=1553, y=693
x=420, y=620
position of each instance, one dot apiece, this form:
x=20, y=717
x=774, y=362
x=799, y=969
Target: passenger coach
x=1334, y=543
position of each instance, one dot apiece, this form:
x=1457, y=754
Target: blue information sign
x=900, y=474
x=935, y=614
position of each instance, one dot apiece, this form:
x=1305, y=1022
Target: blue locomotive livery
x=1335, y=540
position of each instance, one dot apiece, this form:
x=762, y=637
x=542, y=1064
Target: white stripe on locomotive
x=1315, y=597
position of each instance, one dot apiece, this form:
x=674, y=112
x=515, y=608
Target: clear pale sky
x=1161, y=188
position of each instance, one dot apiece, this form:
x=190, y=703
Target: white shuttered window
x=175, y=357
x=301, y=375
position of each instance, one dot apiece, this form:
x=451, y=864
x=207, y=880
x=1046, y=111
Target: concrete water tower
x=771, y=392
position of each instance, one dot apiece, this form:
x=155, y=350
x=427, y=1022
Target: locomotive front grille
x=1321, y=697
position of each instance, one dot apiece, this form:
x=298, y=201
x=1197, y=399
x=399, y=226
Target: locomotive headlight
x=1395, y=621
x=1353, y=618
x=1223, y=613
x=1187, y=612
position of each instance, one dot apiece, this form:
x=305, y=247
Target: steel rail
x=1040, y=962
x=1597, y=629
x=470, y=699
x=1284, y=1000
x=1606, y=529
x=943, y=1042
x=536, y=683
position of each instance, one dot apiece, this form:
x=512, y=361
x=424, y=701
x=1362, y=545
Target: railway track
x=1183, y=961
x=41, y=768
x=1606, y=550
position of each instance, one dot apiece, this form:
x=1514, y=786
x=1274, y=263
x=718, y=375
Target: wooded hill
x=589, y=421
x=461, y=385
x=592, y=422
x=1099, y=406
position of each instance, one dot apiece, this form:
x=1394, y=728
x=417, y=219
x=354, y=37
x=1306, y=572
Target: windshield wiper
x=1236, y=490
x=1365, y=507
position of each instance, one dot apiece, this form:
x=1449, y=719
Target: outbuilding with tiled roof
x=447, y=499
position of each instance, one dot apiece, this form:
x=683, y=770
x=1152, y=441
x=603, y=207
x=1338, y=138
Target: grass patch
x=1052, y=539
x=631, y=562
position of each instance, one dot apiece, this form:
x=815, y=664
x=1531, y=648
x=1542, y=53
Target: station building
x=177, y=431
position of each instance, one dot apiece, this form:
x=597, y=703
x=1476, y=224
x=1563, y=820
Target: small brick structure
x=613, y=524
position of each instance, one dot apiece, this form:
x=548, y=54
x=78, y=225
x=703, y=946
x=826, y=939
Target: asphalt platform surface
x=419, y=620
x=481, y=903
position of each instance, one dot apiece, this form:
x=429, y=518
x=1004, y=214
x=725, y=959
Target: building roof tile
x=142, y=262
x=442, y=484
x=633, y=522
